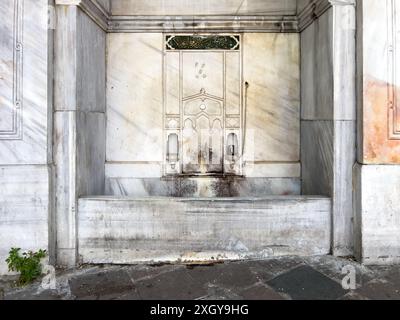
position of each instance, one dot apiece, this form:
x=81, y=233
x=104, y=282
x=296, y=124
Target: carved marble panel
x=25, y=90
x=203, y=90
x=11, y=55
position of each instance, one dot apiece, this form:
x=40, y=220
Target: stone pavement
x=275, y=279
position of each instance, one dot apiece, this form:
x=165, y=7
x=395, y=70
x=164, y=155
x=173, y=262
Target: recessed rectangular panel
x=172, y=82
x=394, y=70
x=8, y=78
x=232, y=72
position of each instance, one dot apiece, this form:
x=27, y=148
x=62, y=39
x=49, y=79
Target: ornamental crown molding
x=190, y=24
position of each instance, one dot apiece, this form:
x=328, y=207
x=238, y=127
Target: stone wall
x=25, y=127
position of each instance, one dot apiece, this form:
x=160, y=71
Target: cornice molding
x=190, y=24
x=203, y=24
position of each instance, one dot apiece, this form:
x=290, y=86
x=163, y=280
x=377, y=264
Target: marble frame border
x=179, y=130
x=393, y=65
x=15, y=133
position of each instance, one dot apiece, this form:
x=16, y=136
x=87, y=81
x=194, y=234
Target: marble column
x=79, y=119
x=328, y=117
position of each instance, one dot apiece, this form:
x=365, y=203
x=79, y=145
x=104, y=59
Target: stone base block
x=128, y=230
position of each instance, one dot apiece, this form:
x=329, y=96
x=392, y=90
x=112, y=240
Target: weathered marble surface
x=8, y=63
x=342, y=211
x=377, y=217
x=24, y=209
x=317, y=69
x=209, y=7
x=91, y=153
x=328, y=115
x=328, y=156
x=91, y=66
x=134, y=97
x=79, y=156
x=25, y=177
x=202, y=187
x=271, y=67
x=344, y=60
x=65, y=155
x=272, y=170
x=134, y=103
x=317, y=157
x=301, y=4
x=106, y=4
x=32, y=144
x=124, y=230
x=79, y=121
x=378, y=87
x=65, y=60
x=328, y=66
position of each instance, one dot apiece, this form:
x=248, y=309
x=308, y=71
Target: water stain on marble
x=378, y=147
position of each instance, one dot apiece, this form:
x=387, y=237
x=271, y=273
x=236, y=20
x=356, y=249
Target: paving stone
x=260, y=292
x=130, y=295
x=139, y=272
x=215, y=292
x=281, y=278
x=268, y=269
x=353, y=296
x=305, y=283
x=392, y=276
x=33, y=295
x=174, y=285
x=332, y=267
x=234, y=275
x=204, y=274
x=380, y=289
x=100, y=283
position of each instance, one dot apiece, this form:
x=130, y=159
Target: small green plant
x=27, y=264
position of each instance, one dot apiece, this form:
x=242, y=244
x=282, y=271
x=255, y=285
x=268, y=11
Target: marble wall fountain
x=120, y=144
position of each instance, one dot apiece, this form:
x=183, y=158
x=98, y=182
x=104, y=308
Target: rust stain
x=378, y=148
